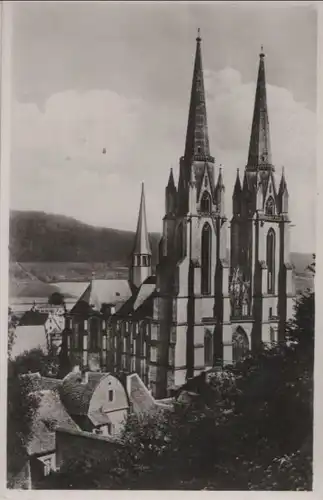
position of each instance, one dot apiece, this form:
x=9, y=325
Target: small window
x=111, y=395
x=270, y=312
x=206, y=203
x=153, y=354
x=270, y=206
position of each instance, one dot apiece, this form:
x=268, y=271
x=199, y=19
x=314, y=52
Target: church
x=205, y=306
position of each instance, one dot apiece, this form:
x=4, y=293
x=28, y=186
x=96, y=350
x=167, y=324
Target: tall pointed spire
x=197, y=138
x=259, y=147
x=237, y=186
x=171, y=183
x=142, y=245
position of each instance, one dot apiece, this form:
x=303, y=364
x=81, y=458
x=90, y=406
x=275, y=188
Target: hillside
x=56, y=248
x=41, y=237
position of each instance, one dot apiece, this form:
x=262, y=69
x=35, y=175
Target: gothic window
x=272, y=334
x=270, y=206
x=206, y=260
x=271, y=260
x=94, y=334
x=180, y=241
x=240, y=345
x=208, y=349
x=206, y=202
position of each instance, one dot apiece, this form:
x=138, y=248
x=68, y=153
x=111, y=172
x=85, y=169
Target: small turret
x=141, y=254
x=283, y=195
x=236, y=197
x=220, y=193
x=170, y=194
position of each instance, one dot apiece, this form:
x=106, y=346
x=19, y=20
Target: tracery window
x=208, y=349
x=206, y=202
x=270, y=206
x=206, y=260
x=271, y=244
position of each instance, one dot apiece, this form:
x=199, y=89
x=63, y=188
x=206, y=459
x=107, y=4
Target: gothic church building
x=206, y=307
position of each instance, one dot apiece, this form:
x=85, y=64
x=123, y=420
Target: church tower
x=140, y=268
x=261, y=272
x=192, y=274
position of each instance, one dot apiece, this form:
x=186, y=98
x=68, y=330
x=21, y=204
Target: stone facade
x=204, y=307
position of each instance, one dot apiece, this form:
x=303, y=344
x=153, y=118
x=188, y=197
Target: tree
x=12, y=325
x=56, y=299
x=250, y=427
x=22, y=405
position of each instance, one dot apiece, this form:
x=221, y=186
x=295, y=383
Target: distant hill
x=41, y=237
x=40, y=241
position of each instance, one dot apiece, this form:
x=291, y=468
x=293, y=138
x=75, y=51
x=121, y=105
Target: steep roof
x=112, y=291
x=33, y=318
x=76, y=395
x=140, y=298
x=140, y=398
x=142, y=244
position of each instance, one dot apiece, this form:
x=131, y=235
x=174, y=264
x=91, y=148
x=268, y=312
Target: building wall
x=78, y=445
x=117, y=408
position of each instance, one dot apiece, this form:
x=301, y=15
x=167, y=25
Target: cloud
x=86, y=153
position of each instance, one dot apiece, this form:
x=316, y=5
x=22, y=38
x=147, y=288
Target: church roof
x=259, y=146
x=109, y=292
x=142, y=243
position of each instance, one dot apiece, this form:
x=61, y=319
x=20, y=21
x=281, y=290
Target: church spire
x=142, y=245
x=197, y=137
x=259, y=147
x=141, y=255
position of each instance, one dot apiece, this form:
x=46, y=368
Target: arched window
x=206, y=260
x=271, y=260
x=272, y=335
x=270, y=206
x=94, y=334
x=206, y=202
x=208, y=349
x=240, y=345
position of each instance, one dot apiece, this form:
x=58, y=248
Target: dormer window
x=270, y=206
x=206, y=203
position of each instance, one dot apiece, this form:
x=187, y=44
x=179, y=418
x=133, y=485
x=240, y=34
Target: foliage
x=21, y=407
x=56, y=299
x=36, y=360
x=248, y=428
x=12, y=324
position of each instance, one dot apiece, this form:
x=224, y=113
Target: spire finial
x=262, y=54
x=198, y=39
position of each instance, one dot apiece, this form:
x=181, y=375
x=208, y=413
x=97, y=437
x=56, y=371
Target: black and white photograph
x=162, y=245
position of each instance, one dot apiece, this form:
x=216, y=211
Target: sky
x=116, y=77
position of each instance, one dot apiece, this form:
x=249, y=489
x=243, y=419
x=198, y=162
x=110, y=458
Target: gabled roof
x=140, y=398
x=33, y=318
x=140, y=298
x=109, y=292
